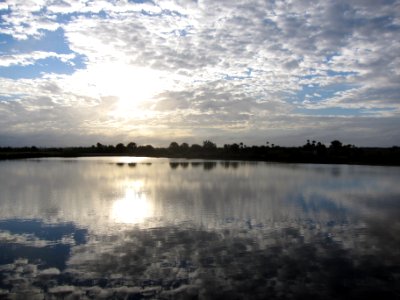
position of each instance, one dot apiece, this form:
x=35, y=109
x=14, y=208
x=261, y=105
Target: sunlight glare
x=134, y=207
x=131, y=85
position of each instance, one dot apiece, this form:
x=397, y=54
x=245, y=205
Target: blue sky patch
x=51, y=41
x=336, y=73
x=339, y=111
x=316, y=93
x=8, y=98
x=330, y=111
x=43, y=66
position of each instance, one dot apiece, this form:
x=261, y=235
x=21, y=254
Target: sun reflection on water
x=134, y=207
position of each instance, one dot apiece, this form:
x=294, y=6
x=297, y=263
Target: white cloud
x=26, y=59
x=3, y=6
x=26, y=18
x=23, y=239
x=240, y=61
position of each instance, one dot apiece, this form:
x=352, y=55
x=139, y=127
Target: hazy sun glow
x=130, y=84
x=134, y=207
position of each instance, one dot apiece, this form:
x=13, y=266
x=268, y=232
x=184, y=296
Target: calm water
x=133, y=228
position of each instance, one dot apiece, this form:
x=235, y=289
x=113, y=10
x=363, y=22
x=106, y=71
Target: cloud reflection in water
x=175, y=230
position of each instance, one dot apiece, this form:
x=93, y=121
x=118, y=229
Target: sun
x=131, y=85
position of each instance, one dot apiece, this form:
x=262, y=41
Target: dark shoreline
x=363, y=156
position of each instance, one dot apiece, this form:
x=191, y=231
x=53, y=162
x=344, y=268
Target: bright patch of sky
x=80, y=72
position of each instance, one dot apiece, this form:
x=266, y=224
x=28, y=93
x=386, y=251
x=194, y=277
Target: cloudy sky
x=80, y=72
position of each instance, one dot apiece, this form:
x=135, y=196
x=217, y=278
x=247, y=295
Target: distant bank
x=311, y=152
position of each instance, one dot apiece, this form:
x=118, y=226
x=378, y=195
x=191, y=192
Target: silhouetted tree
x=234, y=147
x=120, y=147
x=335, y=145
x=147, y=149
x=196, y=148
x=184, y=147
x=314, y=152
x=100, y=147
x=320, y=147
x=131, y=147
x=307, y=146
x=208, y=145
x=173, y=146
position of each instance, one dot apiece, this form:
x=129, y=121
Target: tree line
x=310, y=152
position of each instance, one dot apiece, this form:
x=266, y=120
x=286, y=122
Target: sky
x=80, y=72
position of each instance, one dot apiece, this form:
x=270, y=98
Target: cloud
x=224, y=63
x=26, y=19
x=31, y=58
x=28, y=240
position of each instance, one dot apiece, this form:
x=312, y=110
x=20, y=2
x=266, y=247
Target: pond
x=156, y=228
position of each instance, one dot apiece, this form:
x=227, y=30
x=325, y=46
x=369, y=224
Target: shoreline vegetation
x=311, y=152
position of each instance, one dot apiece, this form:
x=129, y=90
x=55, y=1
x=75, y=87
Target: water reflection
x=167, y=229
x=207, y=165
x=134, y=207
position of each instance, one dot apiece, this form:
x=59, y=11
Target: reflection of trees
x=230, y=164
x=174, y=165
x=184, y=165
x=209, y=165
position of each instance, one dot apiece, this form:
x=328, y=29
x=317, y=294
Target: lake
x=154, y=228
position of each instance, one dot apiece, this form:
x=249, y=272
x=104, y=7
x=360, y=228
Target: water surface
x=133, y=228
